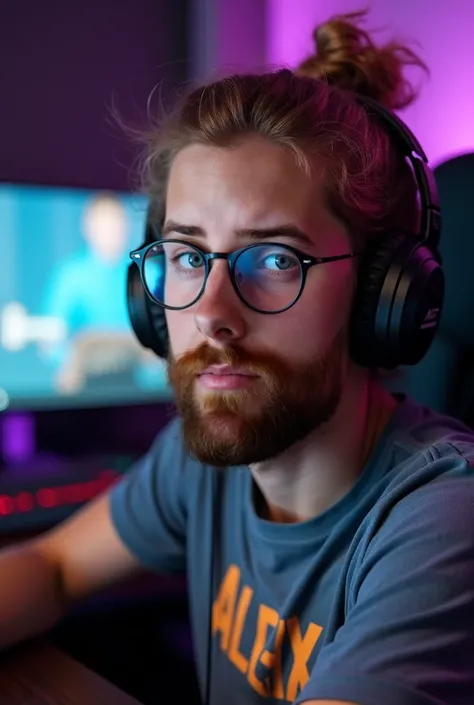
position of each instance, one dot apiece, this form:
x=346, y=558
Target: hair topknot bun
x=346, y=56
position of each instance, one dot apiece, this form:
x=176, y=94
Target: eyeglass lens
x=268, y=277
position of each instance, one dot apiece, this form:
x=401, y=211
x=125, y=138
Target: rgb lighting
x=45, y=498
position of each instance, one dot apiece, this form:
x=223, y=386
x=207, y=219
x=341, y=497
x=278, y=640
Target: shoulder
x=416, y=544
x=439, y=506
x=421, y=446
x=428, y=487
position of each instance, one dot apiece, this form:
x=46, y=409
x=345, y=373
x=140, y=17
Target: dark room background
x=63, y=64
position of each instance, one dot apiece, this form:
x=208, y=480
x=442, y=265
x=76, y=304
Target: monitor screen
x=65, y=336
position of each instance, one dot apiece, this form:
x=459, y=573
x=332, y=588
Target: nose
x=219, y=314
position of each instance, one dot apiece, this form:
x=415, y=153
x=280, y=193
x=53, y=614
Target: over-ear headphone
x=148, y=318
x=400, y=291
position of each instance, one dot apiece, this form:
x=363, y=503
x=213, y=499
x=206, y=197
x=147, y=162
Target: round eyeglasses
x=267, y=276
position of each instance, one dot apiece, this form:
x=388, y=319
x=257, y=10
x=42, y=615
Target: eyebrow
x=288, y=231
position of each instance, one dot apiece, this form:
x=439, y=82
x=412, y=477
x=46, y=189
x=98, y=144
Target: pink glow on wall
x=440, y=30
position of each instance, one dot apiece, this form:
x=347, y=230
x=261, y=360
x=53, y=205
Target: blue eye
x=189, y=260
x=279, y=262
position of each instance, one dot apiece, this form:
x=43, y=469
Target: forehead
x=252, y=179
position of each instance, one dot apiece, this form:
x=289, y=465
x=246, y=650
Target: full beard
x=245, y=426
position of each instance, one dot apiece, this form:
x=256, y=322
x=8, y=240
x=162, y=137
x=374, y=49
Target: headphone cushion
x=398, y=303
x=371, y=277
x=159, y=328
x=148, y=319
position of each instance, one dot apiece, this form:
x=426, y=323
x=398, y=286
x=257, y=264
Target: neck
x=312, y=475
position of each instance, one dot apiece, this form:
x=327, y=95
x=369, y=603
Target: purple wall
x=63, y=62
x=443, y=117
x=61, y=65
x=241, y=33
x=227, y=37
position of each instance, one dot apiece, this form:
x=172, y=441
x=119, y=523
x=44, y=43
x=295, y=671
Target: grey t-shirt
x=372, y=601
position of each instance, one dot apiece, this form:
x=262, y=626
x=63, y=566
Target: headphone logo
x=431, y=318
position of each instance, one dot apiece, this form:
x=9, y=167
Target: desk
x=39, y=674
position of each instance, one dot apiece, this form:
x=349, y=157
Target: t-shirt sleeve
x=408, y=635
x=148, y=507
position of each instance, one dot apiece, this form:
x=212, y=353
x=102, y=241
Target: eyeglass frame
x=306, y=261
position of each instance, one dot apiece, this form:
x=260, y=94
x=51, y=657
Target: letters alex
x=229, y=619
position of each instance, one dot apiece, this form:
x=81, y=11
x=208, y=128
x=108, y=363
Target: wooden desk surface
x=40, y=674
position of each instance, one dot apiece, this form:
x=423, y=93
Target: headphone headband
x=430, y=225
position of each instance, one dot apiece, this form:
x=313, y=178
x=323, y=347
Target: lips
x=227, y=370
x=225, y=377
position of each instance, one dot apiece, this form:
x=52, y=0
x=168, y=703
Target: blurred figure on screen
x=87, y=292
x=105, y=229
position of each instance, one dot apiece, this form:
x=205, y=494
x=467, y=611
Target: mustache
x=194, y=362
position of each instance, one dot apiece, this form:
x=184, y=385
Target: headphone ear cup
x=398, y=303
x=148, y=319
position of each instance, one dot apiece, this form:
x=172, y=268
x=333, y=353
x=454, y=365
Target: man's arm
x=139, y=522
x=40, y=579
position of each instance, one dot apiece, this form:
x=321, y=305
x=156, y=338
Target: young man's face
x=271, y=379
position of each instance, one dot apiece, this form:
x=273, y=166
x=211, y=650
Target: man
x=326, y=528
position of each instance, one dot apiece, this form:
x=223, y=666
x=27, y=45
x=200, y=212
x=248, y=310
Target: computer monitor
x=65, y=337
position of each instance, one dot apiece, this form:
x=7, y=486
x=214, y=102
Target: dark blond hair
x=312, y=112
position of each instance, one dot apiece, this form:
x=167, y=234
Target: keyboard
x=46, y=491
